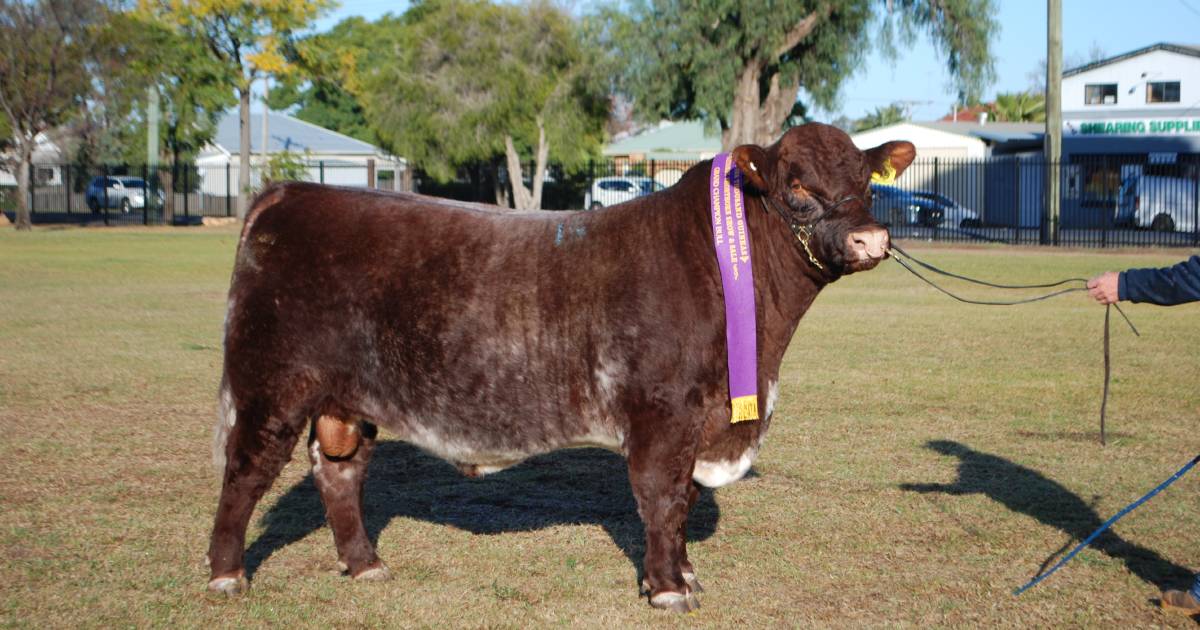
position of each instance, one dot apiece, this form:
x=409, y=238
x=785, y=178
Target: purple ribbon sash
x=731, y=237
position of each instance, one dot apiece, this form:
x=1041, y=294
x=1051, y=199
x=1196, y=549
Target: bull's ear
x=754, y=164
x=888, y=160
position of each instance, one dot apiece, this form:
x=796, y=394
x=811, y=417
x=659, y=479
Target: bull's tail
x=226, y=418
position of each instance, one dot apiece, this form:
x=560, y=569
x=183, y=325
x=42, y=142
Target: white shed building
x=330, y=157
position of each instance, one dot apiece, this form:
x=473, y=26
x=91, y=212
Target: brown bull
x=486, y=337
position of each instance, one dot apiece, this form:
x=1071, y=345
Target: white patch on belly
x=722, y=472
x=600, y=438
x=461, y=452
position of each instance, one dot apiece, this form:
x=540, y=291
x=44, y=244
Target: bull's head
x=819, y=181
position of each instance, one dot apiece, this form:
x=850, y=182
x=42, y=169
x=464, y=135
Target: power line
x=1189, y=7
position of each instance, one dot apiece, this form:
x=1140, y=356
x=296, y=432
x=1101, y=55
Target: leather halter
x=803, y=231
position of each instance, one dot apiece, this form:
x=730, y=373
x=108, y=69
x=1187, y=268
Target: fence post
x=1196, y=205
x=936, y=184
x=104, y=184
x=1108, y=213
x=321, y=164
x=186, y=193
x=32, y=190
x=371, y=173
x=66, y=170
x=145, y=195
x=228, y=197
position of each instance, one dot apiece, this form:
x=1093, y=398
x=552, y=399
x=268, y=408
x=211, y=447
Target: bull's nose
x=869, y=244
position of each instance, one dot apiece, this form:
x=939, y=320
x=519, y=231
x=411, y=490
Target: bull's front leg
x=661, y=458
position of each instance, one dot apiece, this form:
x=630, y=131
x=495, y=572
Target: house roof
x=287, y=134
x=670, y=140
x=991, y=132
x=1183, y=49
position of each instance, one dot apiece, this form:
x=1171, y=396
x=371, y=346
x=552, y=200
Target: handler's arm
x=1165, y=286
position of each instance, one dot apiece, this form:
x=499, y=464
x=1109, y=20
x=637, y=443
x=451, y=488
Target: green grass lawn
x=939, y=456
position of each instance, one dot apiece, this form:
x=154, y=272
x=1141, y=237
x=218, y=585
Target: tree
x=323, y=61
x=741, y=66
x=881, y=117
x=247, y=37
x=1020, y=107
x=44, y=82
x=137, y=54
x=470, y=81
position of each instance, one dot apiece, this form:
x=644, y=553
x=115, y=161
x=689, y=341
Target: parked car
x=896, y=206
x=952, y=213
x=1163, y=204
x=608, y=191
x=126, y=193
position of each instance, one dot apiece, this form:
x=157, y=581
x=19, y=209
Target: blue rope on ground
x=1129, y=508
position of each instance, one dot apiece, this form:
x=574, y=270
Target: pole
x=265, y=136
x=1053, y=148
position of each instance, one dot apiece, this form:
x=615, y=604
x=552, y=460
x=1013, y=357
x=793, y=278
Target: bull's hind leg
x=258, y=445
x=341, y=480
x=660, y=474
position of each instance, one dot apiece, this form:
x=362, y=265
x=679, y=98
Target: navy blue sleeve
x=1164, y=286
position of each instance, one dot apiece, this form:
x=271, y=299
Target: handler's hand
x=1104, y=287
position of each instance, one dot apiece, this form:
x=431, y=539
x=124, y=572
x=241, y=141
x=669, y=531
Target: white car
x=1163, y=204
x=609, y=191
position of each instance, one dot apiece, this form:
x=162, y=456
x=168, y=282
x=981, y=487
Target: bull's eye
x=797, y=188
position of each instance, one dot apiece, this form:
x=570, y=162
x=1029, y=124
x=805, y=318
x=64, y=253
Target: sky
x=918, y=75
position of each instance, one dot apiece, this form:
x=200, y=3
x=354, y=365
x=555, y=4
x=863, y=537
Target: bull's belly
x=478, y=455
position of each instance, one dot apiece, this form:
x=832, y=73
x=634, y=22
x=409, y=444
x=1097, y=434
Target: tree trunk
x=539, y=168
x=24, y=221
x=758, y=119
x=523, y=199
x=244, y=153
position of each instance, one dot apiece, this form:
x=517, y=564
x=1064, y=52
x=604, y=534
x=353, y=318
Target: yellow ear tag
x=888, y=176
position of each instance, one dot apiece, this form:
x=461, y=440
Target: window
x=1162, y=92
x=1100, y=94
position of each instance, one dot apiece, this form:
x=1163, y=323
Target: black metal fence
x=178, y=194
x=1116, y=200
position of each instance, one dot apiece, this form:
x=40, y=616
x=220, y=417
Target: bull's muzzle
x=867, y=247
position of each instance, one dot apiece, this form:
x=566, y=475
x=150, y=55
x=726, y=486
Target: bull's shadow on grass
x=575, y=486
x=1027, y=491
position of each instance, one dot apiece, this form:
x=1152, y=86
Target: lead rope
x=900, y=256
x=1086, y=541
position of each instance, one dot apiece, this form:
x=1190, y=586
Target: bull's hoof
x=229, y=586
x=374, y=574
x=692, y=582
x=676, y=602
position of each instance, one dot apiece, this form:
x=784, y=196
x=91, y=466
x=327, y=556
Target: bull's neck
x=785, y=282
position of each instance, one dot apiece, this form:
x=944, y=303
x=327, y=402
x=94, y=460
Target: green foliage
x=1020, y=107
x=248, y=37
x=451, y=78
x=881, y=117
x=682, y=63
x=959, y=29
x=285, y=166
x=141, y=53
x=323, y=62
